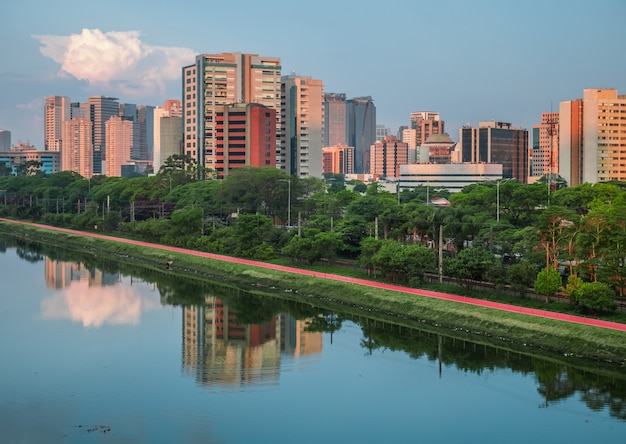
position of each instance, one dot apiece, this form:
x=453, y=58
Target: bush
x=595, y=297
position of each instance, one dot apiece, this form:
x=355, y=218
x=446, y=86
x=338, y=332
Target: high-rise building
x=120, y=137
x=387, y=155
x=161, y=150
x=56, y=110
x=361, y=118
x=170, y=139
x=5, y=140
x=157, y=159
x=592, y=137
x=544, y=158
x=408, y=136
x=77, y=154
x=500, y=143
x=382, y=131
x=145, y=123
x=100, y=109
x=216, y=80
x=130, y=112
x=426, y=123
x=338, y=159
x=302, y=129
x=246, y=136
x=335, y=119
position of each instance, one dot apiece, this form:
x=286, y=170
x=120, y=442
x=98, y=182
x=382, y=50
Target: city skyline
x=468, y=61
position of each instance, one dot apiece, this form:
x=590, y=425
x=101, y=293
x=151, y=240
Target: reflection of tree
x=369, y=339
x=606, y=393
x=252, y=309
x=554, y=383
x=29, y=255
x=325, y=321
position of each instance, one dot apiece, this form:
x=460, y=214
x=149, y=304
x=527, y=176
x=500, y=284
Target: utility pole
x=440, y=254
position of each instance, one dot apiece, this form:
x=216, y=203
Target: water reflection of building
x=61, y=274
x=295, y=340
x=219, y=350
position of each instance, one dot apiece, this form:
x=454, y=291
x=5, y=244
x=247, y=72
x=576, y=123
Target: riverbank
x=508, y=329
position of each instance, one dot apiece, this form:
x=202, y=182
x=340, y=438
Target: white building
x=453, y=176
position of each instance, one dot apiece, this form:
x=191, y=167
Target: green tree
x=471, y=264
x=5, y=169
x=548, y=282
x=369, y=247
x=521, y=276
x=300, y=249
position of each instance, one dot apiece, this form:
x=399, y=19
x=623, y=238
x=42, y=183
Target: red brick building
x=246, y=136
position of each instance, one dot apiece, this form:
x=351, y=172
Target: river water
x=95, y=352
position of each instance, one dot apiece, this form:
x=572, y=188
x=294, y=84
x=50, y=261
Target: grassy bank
x=512, y=331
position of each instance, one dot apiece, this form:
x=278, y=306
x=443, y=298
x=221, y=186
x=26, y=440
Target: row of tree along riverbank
x=508, y=330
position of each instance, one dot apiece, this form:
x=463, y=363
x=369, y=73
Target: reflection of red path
x=426, y=293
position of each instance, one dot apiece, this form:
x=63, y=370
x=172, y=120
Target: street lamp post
x=498, y=182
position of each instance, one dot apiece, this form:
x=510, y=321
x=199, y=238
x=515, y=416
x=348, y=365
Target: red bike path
x=415, y=291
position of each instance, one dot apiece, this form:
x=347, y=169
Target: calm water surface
x=99, y=355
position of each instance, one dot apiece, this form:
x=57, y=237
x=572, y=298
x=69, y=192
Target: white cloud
x=118, y=60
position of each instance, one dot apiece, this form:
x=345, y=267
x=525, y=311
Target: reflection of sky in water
x=94, y=306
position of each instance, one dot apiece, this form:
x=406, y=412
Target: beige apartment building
x=215, y=80
x=302, y=133
x=544, y=157
x=387, y=155
x=56, y=110
x=77, y=152
x=119, y=142
x=592, y=137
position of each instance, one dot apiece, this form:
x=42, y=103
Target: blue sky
x=469, y=60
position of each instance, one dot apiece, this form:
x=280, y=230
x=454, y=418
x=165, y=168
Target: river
x=95, y=353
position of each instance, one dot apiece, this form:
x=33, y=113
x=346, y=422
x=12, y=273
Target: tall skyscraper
x=56, y=110
x=120, y=138
x=246, y=136
x=387, y=155
x=145, y=121
x=544, y=157
x=361, y=118
x=216, y=80
x=592, y=137
x=335, y=119
x=77, y=154
x=302, y=129
x=497, y=142
x=100, y=108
